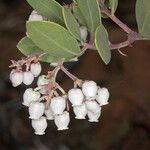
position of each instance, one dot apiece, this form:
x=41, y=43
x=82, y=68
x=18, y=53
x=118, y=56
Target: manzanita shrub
x=57, y=34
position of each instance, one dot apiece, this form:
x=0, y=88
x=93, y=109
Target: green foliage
x=143, y=17
x=78, y=15
x=71, y=24
x=48, y=8
x=27, y=47
x=90, y=12
x=53, y=39
x=111, y=4
x=102, y=44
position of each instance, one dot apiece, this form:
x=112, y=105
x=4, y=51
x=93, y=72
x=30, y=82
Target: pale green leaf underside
x=143, y=17
x=78, y=15
x=48, y=8
x=27, y=47
x=102, y=44
x=91, y=12
x=53, y=39
x=113, y=5
x=71, y=24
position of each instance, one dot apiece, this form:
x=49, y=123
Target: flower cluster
x=49, y=101
x=18, y=76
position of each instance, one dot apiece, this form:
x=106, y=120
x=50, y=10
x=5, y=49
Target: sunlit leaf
x=48, y=8
x=102, y=44
x=90, y=10
x=53, y=39
x=143, y=17
x=71, y=24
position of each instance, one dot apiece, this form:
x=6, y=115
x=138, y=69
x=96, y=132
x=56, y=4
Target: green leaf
x=48, y=8
x=78, y=15
x=53, y=39
x=143, y=17
x=90, y=10
x=27, y=47
x=102, y=44
x=71, y=24
x=113, y=5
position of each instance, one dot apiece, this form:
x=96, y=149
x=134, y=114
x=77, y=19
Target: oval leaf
x=48, y=8
x=27, y=47
x=90, y=10
x=71, y=24
x=102, y=44
x=78, y=15
x=143, y=17
x=53, y=39
x=113, y=6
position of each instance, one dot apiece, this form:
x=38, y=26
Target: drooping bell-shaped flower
x=80, y=111
x=89, y=89
x=36, y=110
x=62, y=121
x=76, y=97
x=39, y=125
x=58, y=105
x=29, y=96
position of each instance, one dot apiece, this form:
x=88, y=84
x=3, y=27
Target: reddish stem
x=114, y=18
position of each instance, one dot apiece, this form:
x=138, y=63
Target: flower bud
x=43, y=80
x=49, y=114
x=34, y=16
x=76, y=97
x=84, y=33
x=80, y=111
x=36, y=69
x=62, y=121
x=36, y=110
x=29, y=96
x=102, y=96
x=58, y=105
x=93, y=117
x=89, y=89
x=28, y=78
x=39, y=125
x=92, y=106
x=16, y=78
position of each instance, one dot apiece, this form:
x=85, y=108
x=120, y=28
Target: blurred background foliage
x=125, y=122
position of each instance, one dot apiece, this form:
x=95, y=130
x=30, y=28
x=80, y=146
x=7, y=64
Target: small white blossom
x=43, y=80
x=92, y=105
x=102, y=96
x=28, y=78
x=76, y=97
x=39, y=125
x=84, y=33
x=29, y=96
x=80, y=111
x=93, y=117
x=16, y=78
x=89, y=89
x=34, y=16
x=36, y=69
x=62, y=121
x=36, y=110
x=58, y=105
x=49, y=114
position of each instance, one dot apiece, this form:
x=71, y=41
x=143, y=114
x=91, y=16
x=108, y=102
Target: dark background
x=125, y=122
